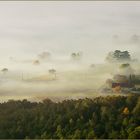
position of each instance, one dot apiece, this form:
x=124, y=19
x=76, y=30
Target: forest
x=101, y=117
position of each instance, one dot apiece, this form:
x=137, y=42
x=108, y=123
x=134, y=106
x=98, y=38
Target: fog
x=62, y=28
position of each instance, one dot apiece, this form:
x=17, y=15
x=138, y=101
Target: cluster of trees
x=4, y=70
x=44, y=55
x=36, y=62
x=77, y=56
x=100, y=117
x=125, y=65
x=118, y=56
x=53, y=73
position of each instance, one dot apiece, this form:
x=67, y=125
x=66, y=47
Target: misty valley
x=71, y=78
x=69, y=70
x=71, y=98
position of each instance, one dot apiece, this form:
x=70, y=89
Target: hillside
x=100, y=117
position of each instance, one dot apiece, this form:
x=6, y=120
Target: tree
x=36, y=62
x=92, y=66
x=91, y=135
x=73, y=55
x=135, y=134
x=118, y=56
x=4, y=70
x=113, y=134
x=97, y=118
x=45, y=135
x=77, y=56
x=44, y=55
x=59, y=132
x=53, y=72
x=136, y=109
x=126, y=111
x=47, y=101
x=124, y=65
x=77, y=134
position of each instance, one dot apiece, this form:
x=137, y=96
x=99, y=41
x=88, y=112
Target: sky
x=60, y=27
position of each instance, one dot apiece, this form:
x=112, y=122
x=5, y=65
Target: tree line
x=98, y=118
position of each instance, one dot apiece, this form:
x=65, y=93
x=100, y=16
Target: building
x=123, y=85
x=122, y=81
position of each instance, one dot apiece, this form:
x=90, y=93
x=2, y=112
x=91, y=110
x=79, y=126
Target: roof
x=127, y=85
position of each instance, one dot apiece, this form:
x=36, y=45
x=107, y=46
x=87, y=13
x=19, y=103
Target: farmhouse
x=122, y=81
x=123, y=85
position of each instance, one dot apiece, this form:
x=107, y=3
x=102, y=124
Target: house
x=123, y=85
x=122, y=81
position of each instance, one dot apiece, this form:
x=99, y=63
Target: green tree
x=59, y=133
x=91, y=135
x=77, y=134
x=135, y=134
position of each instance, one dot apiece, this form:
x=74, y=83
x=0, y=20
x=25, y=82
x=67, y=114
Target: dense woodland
x=100, y=117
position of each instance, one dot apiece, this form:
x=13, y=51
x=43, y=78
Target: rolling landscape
x=69, y=70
